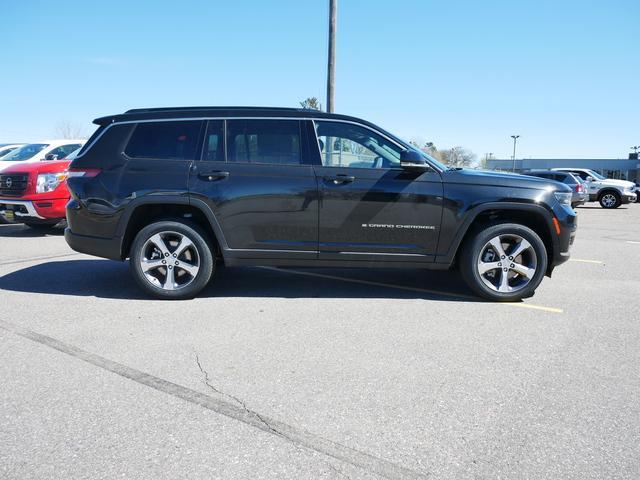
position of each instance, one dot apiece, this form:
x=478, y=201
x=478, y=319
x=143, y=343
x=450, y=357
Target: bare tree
x=69, y=130
x=458, y=157
x=311, y=103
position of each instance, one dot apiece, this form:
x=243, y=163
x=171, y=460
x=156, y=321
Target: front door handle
x=213, y=175
x=340, y=179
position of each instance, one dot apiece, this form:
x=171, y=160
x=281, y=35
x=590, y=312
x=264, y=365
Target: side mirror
x=589, y=179
x=412, y=160
x=51, y=156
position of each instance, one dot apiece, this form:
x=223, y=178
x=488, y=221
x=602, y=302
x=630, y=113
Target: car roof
x=218, y=111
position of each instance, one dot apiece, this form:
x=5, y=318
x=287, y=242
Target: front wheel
x=171, y=260
x=610, y=200
x=505, y=262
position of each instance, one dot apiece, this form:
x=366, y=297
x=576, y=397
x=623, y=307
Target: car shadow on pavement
x=109, y=279
x=19, y=230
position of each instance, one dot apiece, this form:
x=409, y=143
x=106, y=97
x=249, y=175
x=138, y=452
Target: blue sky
x=564, y=75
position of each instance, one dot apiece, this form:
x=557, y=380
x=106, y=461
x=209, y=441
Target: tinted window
x=347, y=145
x=64, y=150
x=25, y=152
x=263, y=141
x=541, y=175
x=213, y=143
x=567, y=178
x=166, y=140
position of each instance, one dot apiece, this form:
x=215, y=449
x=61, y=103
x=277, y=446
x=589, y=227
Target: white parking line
x=633, y=242
x=413, y=289
x=581, y=260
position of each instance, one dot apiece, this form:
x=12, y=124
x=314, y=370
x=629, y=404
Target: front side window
x=25, y=152
x=264, y=141
x=165, y=140
x=348, y=145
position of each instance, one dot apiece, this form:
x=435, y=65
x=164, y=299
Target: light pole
x=515, y=139
x=331, y=62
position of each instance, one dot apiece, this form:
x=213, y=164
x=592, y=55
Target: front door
x=370, y=208
x=257, y=182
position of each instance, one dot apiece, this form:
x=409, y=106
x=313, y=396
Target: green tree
x=311, y=103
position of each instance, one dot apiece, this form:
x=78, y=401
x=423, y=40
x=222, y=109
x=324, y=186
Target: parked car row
x=589, y=186
x=33, y=189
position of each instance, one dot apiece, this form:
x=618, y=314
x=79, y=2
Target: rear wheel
x=504, y=262
x=610, y=200
x=171, y=260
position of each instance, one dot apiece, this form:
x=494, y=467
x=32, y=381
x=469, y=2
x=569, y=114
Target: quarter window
x=264, y=141
x=165, y=140
x=347, y=145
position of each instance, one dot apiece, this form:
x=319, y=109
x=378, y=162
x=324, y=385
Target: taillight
x=579, y=187
x=82, y=172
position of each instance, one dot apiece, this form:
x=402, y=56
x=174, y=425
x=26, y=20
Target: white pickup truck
x=609, y=192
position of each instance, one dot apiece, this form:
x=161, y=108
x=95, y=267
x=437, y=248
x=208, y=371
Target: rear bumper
x=99, y=247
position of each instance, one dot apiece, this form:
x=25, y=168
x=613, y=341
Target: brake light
x=83, y=172
x=579, y=187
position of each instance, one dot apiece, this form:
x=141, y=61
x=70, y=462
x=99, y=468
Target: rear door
x=371, y=208
x=256, y=178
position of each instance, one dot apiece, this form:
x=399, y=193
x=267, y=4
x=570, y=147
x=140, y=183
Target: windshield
x=24, y=153
x=596, y=175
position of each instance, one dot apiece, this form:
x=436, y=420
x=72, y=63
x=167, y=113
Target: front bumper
x=18, y=210
x=629, y=197
x=44, y=210
x=562, y=242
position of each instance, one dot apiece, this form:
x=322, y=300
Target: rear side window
x=165, y=140
x=264, y=141
x=568, y=179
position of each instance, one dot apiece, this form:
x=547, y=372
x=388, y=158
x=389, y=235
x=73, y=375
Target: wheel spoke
x=182, y=246
x=169, y=281
x=520, y=247
x=160, y=245
x=524, y=271
x=150, y=264
x=504, y=282
x=484, y=267
x=497, y=246
x=189, y=268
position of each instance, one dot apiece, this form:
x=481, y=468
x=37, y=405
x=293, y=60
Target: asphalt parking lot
x=320, y=373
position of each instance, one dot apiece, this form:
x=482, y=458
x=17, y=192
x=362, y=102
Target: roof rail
x=174, y=109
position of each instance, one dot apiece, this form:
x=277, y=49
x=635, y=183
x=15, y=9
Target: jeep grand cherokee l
x=178, y=190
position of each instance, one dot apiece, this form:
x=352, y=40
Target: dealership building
x=625, y=169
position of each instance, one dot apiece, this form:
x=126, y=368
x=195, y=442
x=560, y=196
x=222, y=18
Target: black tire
x=610, y=199
x=477, y=245
x=171, y=231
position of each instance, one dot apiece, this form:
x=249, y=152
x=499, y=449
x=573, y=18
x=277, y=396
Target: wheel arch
x=145, y=211
x=536, y=217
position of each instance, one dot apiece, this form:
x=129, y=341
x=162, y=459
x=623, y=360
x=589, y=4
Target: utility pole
x=331, y=64
x=515, y=139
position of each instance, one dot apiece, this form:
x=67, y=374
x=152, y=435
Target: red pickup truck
x=35, y=193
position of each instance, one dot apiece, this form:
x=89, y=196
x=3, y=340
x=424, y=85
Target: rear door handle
x=339, y=179
x=213, y=175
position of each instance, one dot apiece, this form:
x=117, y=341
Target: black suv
x=179, y=190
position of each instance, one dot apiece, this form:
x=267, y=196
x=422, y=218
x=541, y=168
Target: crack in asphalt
x=299, y=436
x=243, y=404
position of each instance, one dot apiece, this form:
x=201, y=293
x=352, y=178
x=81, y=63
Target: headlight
x=48, y=182
x=563, y=197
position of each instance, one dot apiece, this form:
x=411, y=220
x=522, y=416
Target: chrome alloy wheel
x=169, y=260
x=609, y=200
x=507, y=263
